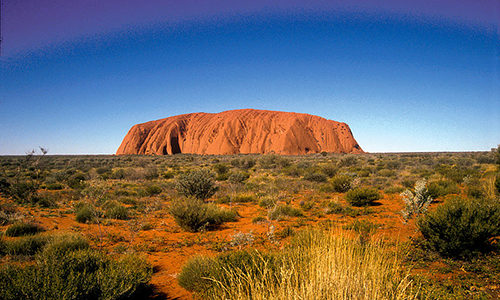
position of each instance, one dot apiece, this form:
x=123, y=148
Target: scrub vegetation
x=318, y=226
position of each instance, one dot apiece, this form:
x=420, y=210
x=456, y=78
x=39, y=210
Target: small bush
x=199, y=184
x=54, y=186
x=238, y=177
x=442, y=188
x=341, y=183
x=25, y=246
x=244, y=163
x=280, y=211
x=62, y=244
x=199, y=274
x=221, y=168
x=473, y=187
x=24, y=192
x=21, y=228
x=243, y=198
x=77, y=180
x=329, y=170
x=153, y=190
x=196, y=273
x=267, y=202
x=81, y=274
x=194, y=215
x=315, y=177
x=362, y=196
x=460, y=227
x=337, y=208
x=85, y=213
x=394, y=190
x=118, y=212
x=347, y=161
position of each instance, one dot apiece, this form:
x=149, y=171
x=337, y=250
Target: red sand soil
x=240, y=131
x=168, y=247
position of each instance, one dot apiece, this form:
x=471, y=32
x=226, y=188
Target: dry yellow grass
x=324, y=265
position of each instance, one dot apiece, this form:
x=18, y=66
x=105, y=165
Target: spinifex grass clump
x=316, y=265
x=416, y=203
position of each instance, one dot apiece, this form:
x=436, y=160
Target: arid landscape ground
x=144, y=208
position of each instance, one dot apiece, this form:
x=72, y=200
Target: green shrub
x=25, y=246
x=153, y=190
x=267, y=202
x=24, y=192
x=77, y=180
x=199, y=274
x=81, y=274
x=243, y=198
x=199, y=183
x=341, y=183
x=223, y=199
x=329, y=170
x=21, y=228
x=85, y=214
x=221, y=168
x=118, y=212
x=386, y=173
x=194, y=215
x=280, y=211
x=60, y=245
x=473, y=187
x=238, y=177
x=362, y=196
x=460, y=227
x=8, y=213
x=4, y=186
x=347, y=161
x=315, y=177
x=394, y=190
x=244, y=163
x=271, y=161
x=293, y=171
x=442, y=188
x=54, y=186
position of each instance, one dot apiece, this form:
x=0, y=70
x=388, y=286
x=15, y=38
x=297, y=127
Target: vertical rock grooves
x=240, y=131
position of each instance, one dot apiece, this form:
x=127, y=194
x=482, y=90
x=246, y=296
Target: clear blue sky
x=405, y=75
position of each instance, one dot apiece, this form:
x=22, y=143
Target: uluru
x=240, y=131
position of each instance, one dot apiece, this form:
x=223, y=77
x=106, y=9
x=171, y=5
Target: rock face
x=240, y=131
